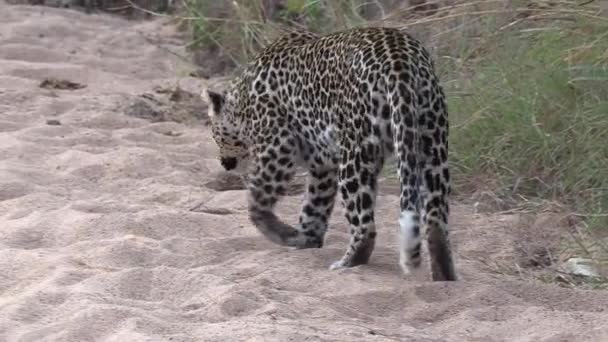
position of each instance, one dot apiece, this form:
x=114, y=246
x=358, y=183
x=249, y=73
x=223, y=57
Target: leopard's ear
x=216, y=102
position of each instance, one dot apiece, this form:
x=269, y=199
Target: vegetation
x=241, y=27
x=530, y=112
x=527, y=84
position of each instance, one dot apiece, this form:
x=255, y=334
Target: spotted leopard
x=339, y=105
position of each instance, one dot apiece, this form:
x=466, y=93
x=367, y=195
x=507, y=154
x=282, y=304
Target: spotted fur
x=339, y=105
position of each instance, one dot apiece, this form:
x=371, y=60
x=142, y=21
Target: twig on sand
x=158, y=45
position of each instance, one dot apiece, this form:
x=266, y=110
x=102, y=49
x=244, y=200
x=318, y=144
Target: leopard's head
x=226, y=131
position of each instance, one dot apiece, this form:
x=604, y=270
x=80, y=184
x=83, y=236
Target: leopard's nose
x=228, y=163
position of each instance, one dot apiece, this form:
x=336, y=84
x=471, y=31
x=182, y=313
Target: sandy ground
x=98, y=241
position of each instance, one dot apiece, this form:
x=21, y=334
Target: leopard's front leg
x=272, y=170
x=318, y=205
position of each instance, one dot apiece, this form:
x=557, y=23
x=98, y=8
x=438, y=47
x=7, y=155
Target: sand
x=98, y=241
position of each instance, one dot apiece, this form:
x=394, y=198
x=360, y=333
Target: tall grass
x=527, y=84
x=534, y=119
x=241, y=27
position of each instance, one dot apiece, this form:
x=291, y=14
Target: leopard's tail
x=420, y=131
x=406, y=138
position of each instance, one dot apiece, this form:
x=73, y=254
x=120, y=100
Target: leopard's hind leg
x=436, y=183
x=361, y=164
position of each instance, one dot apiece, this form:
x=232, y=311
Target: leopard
x=340, y=105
